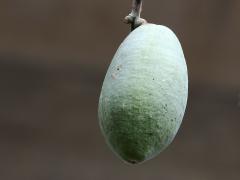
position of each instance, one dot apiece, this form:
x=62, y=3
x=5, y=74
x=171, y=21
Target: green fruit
x=144, y=94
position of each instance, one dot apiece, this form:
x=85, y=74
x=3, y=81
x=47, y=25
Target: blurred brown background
x=53, y=58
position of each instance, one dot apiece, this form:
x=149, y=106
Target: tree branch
x=134, y=17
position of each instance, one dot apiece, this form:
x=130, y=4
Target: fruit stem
x=134, y=17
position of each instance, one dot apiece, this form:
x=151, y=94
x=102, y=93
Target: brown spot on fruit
x=113, y=76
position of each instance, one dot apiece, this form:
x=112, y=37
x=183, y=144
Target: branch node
x=134, y=17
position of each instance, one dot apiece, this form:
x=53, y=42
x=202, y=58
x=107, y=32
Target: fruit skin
x=144, y=94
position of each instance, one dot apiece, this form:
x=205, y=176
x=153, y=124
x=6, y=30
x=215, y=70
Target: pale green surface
x=144, y=94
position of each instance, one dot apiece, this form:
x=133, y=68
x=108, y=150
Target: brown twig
x=134, y=17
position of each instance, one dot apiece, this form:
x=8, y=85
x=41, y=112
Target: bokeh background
x=53, y=57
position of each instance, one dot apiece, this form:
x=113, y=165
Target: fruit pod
x=144, y=94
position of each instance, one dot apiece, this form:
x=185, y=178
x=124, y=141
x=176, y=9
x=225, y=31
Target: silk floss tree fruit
x=144, y=93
